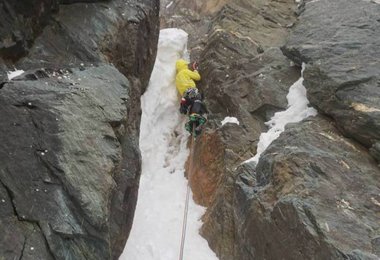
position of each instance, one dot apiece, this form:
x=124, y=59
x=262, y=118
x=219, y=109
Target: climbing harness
x=184, y=223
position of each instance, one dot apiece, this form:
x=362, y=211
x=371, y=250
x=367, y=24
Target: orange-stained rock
x=206, y=168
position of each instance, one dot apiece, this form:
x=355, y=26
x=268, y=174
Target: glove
x=195, y=65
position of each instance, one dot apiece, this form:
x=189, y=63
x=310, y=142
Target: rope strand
x=185, y=214
x=184, y=224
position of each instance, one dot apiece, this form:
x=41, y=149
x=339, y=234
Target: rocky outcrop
x=314, y=193
x=70, y=162
x=339, y=42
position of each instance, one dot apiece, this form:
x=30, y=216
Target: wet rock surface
x=70, y=162
x=314, y=193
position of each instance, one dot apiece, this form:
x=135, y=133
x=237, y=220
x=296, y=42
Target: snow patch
x=13, y=74
x=297, y=111
x=231, y=120
x=157, y=226
x=170, y=4
x=312, y=1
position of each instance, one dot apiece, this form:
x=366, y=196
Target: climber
x=186, y=76
x=192, y=104
x=191, y=101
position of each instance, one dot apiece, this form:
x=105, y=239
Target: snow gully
x=156, y=231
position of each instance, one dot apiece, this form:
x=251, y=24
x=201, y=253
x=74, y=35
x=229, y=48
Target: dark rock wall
x=70, y=162
x=315, y=191
x=21, y=22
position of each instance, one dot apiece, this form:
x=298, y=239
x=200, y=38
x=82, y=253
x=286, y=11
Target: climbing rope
x=184, y=223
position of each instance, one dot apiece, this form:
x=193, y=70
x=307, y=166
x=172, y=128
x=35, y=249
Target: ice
x=231, y=120
x=13, y=74
x=157, y=226
x=297, y=111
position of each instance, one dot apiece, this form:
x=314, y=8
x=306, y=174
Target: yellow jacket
x=185, y=78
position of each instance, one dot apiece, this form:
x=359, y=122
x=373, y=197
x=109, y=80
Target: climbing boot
x=194, y=117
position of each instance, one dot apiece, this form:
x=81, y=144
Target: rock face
x=240, y=79
x=70, y=162
x=20, y=23
x=314, y=193
x=339, y=42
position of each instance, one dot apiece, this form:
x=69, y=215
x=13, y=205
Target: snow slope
x=297, y=111
x=156, y=231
